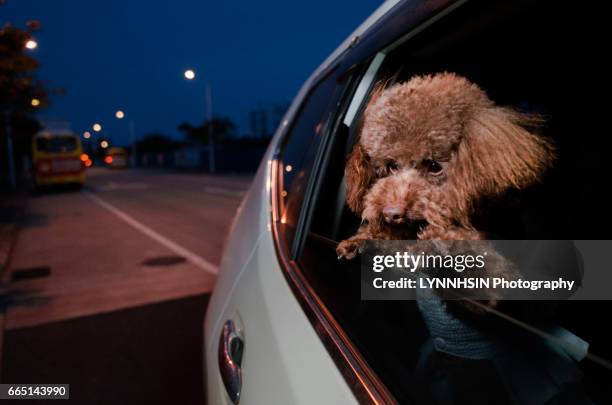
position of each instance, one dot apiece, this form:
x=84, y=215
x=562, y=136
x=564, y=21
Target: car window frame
x=330, y=73
x=361, y=379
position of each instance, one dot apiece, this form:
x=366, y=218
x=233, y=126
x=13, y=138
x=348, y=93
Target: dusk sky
x=131, y=55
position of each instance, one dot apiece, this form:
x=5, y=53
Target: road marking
x=175, y=247
x=122, y=186
x=227, y=192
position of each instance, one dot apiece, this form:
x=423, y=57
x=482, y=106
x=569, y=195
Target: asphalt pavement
x=107, y=286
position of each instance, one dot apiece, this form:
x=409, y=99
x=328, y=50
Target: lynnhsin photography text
x=508, y=270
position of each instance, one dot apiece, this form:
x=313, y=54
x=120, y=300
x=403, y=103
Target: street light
x=35, y=102
x=86, y=134
x=97, y=127
x=104, y=144
x=31, y=44
x=119, y=114
x=190, y=75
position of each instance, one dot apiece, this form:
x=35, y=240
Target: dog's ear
x=358, y=174
x=498, y=152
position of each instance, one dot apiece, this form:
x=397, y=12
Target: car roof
x=355, y=35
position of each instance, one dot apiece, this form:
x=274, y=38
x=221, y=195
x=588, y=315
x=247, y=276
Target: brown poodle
x=430, y=149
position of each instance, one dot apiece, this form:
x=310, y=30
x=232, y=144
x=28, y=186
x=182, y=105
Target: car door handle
x=231, y=348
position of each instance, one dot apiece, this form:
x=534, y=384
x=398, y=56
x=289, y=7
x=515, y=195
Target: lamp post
x=133, y=141
x=119, y=114
x=190, y=75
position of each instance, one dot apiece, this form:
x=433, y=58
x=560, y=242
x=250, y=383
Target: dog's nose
x=394, y=215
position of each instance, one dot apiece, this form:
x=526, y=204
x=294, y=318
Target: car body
x=58, y=158
x=116, y=158
x=285, y=324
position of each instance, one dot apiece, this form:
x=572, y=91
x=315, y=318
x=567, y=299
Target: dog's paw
x=348, y=249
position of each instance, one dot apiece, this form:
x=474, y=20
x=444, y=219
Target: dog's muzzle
x=394, y=215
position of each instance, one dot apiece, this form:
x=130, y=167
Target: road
x=111, y=282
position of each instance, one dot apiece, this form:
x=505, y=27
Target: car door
x=261, y=345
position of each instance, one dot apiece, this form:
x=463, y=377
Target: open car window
x=299, y=149
x=520, y=62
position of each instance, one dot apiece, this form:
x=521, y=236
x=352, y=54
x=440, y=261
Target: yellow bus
x=58, y=158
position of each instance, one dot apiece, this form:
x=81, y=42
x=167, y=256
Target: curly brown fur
x=430, y=150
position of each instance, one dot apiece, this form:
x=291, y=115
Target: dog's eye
x=432, y=166
x=391, y=166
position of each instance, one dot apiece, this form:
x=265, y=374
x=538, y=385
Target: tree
x=18, y=86
x=20, y=94
x=223, y=128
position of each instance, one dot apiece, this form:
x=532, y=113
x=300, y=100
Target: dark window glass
x=299, y=150
x=524, y=55
x=56, y=144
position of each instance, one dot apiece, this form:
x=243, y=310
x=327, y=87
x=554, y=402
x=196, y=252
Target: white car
x=286, y=324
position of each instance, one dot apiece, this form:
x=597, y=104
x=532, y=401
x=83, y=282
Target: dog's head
x=431, y=147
